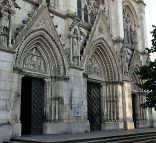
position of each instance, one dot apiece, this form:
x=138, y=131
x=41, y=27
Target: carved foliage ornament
x=34, y=61
x=94, y=5
x=9, y=3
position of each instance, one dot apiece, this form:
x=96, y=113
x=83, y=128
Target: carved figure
x=92, y=67
x=34, y=61
x=75, y=47
x=124, y=61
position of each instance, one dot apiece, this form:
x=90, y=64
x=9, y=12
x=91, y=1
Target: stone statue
x=124, y=61
x=75, y=47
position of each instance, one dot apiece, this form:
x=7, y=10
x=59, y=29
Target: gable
x=100, y=27
x=41, y=20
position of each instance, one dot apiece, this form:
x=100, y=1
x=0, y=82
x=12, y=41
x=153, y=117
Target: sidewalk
x=79, y=136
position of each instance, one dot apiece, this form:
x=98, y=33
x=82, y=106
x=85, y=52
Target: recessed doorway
x=32, y=105
x=134, y=109
x=94, y=105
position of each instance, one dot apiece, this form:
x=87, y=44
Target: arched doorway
x=94, y=105
x=102, y=86
x=32, y=105
x=138, y=97
x=39, y=56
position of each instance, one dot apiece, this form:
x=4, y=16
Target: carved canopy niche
x=34, y=61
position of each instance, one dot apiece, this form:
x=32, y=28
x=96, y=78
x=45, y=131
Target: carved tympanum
x=93, y=67
x=34, y=61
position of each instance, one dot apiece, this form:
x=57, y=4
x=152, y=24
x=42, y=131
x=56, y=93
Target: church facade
x=69, y=66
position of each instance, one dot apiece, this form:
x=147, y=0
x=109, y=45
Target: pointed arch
x=48, y=49
x=135, y=79
x=140, y=97
x=105, y=58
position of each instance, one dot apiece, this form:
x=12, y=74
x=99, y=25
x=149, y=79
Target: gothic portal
x=70, y=66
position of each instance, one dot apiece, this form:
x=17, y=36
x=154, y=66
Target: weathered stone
x=100, y=44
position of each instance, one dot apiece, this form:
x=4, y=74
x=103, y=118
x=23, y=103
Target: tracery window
x=88, y=9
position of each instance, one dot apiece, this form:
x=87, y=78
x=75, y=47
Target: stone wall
x=73, y=52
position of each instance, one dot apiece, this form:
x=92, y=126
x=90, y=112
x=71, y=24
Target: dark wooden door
x=134, y=109
x=32, y=106
x=94, y=105
x=37, y=106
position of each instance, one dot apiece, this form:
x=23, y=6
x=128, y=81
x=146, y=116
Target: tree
x=148, y=75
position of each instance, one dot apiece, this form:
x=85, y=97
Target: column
x=113, y=112
x=127, y=106
x=116, y=23
x=142, y=34
x=78, y=101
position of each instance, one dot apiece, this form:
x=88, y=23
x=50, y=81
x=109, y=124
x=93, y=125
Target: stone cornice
x=30, y=73
x=118, y=40
x=7, y=50
x=60, y=78
x=34, y=2
x=76, y=67
x=141, y=2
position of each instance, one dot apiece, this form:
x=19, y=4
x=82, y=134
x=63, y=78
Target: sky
x=150, y=12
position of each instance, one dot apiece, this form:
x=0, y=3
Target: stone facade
x=70, y=44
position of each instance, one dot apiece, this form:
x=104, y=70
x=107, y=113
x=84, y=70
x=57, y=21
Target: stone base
x=83, y=127
x=54, y=128
x=9, y=130
x=16, y=130
x=112, y=125
x=153, y=123
x=60, y=128
x=128, y=125
x=142, y=124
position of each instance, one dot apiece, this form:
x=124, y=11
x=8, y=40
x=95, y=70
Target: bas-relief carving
x=93, y=68
x=95, y=5
x=34, y=61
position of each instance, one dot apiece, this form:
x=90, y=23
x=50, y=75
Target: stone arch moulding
x=45, y=46
x=135, y=79
x=128, y=4
x=105, y=57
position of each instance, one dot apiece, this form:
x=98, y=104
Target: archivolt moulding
x=105, y=59
x=47, y=47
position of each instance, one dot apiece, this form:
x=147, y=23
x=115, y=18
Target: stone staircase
x=129, y=138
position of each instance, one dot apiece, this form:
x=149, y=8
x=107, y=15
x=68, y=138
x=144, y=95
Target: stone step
x=129, y=138
x=13, y=142
x=125, y=139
